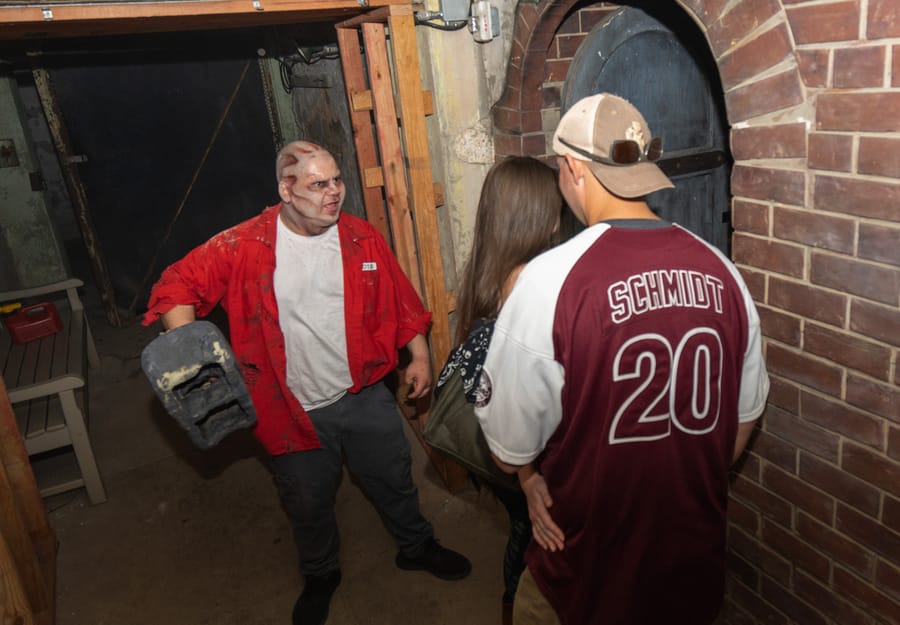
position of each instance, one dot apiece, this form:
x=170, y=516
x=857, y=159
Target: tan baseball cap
x=613, y=138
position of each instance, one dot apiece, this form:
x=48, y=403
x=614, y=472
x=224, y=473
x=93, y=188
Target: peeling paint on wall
x=29, y=239
x=474, y=145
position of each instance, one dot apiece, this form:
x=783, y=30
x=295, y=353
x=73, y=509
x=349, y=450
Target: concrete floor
x=191, y=537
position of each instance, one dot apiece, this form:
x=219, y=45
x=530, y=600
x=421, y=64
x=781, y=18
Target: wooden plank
x=45, y=387
x=18, y=469
x=378, y=15
x=29, y=20
x=30, y=359
x=36, y=421
x=13, y=363
x=361, y=121
x=374, y=177
x=63, y=146
x=390, y=148
x=45, y=547
x=27, y=513
x=423, y=206
x=74, y=340
x=53, y=350
x=363, y=102
x=414, y=104
x=422, y=200
x=16, y=607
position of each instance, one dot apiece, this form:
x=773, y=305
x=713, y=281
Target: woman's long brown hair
x=517, y=219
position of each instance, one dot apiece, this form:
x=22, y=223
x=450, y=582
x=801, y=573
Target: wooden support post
x=393, y=166
x=77, y=195
x=422, y=201
x=15, y=608
x=361, y=120
x=394, y=88
x=28, y=549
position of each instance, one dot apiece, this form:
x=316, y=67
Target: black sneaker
x=439, y=561
x=312, y=606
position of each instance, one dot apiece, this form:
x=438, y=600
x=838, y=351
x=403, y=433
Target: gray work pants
x=366, y=429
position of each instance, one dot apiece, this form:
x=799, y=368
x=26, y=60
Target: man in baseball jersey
x=624, y=377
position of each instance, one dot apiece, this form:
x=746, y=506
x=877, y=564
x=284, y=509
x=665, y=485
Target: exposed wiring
x=285, y=71
x=315, y=54
x=308, y=56
x=426, y=18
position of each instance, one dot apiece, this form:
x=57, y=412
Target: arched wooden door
x=661, y=65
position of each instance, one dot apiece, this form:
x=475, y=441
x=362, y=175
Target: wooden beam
x=405, y=172
x=379, y=15
x=373, y=177
x=422, y=200
x=16, y=607
x=18, y=469
x=393, y=164
x=423, y=205
x=363, y=102
x=363, y=134
x=60, y=136
x=58, y=19
x=22, y=516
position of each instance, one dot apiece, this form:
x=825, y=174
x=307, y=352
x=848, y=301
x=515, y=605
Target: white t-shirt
x=309, y=289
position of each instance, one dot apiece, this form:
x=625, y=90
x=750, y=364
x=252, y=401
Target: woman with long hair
x=518, y=218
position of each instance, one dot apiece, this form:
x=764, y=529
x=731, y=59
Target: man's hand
x=547, y=533
x=418, y=372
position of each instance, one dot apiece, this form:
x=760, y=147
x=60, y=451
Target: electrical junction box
x=485, y=24
x=455, y=10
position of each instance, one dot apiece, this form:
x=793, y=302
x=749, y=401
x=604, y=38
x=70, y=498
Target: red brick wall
x=812, y=91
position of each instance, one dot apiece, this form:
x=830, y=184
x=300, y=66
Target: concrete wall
x=467, y=78
x=30, y=251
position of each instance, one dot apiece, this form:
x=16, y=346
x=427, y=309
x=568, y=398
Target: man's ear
x=284, y=190
x=576, y=167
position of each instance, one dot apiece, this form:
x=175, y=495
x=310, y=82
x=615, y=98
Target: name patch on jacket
x=370, y=266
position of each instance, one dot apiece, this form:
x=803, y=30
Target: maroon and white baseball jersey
x=622, y=363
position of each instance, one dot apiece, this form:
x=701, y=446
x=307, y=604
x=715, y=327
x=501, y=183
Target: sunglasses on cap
x=623, y=152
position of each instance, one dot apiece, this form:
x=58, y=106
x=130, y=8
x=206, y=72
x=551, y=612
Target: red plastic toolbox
x=33, y=322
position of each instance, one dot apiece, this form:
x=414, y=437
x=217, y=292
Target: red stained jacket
x=382, y=313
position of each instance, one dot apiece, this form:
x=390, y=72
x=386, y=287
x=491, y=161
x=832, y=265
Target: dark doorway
x=173, y=141
x=656, y=58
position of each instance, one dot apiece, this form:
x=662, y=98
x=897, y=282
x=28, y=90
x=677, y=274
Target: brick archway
x=812, y=96
x=751, y=89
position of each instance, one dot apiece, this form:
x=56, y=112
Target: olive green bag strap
x=453, y=429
